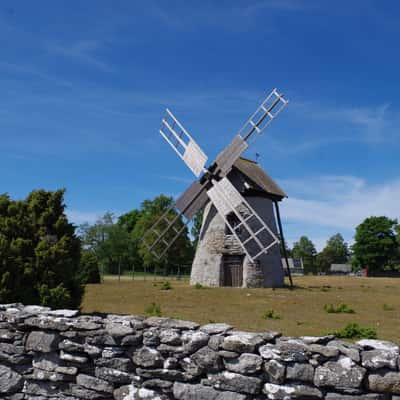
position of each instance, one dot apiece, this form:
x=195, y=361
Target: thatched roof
x=260, y=180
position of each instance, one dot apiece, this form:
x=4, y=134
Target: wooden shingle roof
x=261, y=180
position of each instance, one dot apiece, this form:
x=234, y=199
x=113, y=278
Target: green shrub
x=166, y=286
x=54, y=297
x=89, y=268
x=387, y=307
x=355, y=331
x=199, y=286
x=153, y=310
x=270, y=314
x=340, y=309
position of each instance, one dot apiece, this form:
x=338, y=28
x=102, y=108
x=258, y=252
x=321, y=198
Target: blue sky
x=83, y=87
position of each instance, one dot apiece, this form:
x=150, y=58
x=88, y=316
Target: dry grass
x=301, y=310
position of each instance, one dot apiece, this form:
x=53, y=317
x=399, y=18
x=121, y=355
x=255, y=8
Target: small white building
x=340, y=269
x=296, y=266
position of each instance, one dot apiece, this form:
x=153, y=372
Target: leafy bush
x=89, y=268
x=340, y=309
x=39, y=252
x=387, y=307
x=153, y=310
x=270, y=314
x=355, y=331
x=166, y=286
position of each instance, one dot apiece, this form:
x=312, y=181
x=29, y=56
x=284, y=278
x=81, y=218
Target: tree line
x=116, y=243
x=376, y=247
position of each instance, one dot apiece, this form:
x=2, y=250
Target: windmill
x=253, y=234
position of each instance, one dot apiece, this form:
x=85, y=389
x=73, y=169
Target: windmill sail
x=193, y=199
x=263, y=116
x=255, y=237
x=230, y=154
x=183, y=144
x=166, y=230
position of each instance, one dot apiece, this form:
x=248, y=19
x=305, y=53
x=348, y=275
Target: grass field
x=375, y=301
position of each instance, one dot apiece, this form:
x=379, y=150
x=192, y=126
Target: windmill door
x=232, y=267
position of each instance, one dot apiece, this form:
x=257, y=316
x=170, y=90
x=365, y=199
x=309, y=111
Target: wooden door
x=232, y=270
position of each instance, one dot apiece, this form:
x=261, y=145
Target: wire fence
x=152, y=273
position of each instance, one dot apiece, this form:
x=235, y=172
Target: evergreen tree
x=39, y=251
x=89, y=269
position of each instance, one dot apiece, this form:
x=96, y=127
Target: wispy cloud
x=237, y=17
x=176, y=179
x=370, y=124
x=83, y=51
x=19, y=69
x=278, y=5
x=341, y=202
x=374, y=121
x=292, y=148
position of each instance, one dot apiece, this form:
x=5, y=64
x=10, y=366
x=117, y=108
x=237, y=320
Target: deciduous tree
x=110, y=242
x=181, y=252
x=375, y=243
x=336, y=251
x=196, y=227
x=305, y=250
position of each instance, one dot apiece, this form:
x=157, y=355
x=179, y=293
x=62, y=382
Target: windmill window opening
x=233, y=221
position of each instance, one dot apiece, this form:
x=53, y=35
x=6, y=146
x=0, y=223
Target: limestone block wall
x=60, y=354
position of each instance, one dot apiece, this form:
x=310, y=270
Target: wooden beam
x=278, y=215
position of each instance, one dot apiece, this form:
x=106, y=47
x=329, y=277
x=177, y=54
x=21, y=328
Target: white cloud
x=79, y=217
x=341, y=202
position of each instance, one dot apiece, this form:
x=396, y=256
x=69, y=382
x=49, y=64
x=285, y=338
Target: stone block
x=43, y=342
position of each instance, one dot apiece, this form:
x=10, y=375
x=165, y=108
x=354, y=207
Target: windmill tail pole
x=278, y=215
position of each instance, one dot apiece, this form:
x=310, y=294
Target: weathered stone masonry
x=62, y=355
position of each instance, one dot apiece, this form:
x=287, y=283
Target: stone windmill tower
x=220, y=259
x=239, y=197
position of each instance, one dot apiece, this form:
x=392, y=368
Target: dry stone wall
x=59, y=354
